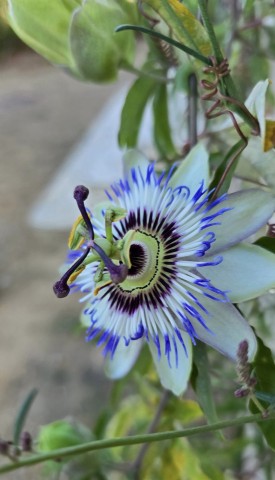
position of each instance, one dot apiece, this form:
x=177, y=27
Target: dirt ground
x=43, y=112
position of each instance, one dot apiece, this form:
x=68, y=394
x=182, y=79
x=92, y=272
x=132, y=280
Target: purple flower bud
x=241, y=392
x=26, y=442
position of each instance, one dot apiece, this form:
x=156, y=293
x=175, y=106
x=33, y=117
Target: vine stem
x=210, y=30
x=131, y=440
x=227, y=86
x=230, y=88
x=192, y=109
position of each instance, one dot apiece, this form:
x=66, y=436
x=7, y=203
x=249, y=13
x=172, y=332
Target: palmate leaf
x=264, y=368
x=184, y=25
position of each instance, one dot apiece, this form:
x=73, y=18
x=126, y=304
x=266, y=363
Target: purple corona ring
x=162, y=264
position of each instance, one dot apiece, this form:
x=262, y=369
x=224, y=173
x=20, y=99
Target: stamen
x=80, y=195
x=118, y=273
x=61, y=287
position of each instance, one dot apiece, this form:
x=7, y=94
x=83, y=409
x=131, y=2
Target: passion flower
x=160, y=263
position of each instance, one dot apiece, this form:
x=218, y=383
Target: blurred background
x=43, y=115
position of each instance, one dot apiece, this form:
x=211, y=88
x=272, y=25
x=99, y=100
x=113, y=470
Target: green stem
x=227, y=86
x=210, y=30
x=230, y=88
x=131, y=440
x=170, y=41
x=257, y=403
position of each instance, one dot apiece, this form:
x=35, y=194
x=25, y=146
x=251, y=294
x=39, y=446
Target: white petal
x=176, y=376
x=250, y=210
x=256, y=103
x=134, y=159
x=192, y=170
x=227, y=328
x=246, y=272
x=123, y=359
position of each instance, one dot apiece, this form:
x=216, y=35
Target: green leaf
x=202, y=384
x=266, y=242
x=175, y=457
x=221, y=169
x=213, y=471
x=44, y=26
x=248, y=5
x=181, y=410
x=162, y=132
x=264, y=368
x=266, y=397
x=184, y=25
x=133, y=415
x=133, y=109
x=22, y=415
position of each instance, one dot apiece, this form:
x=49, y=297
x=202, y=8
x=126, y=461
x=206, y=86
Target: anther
x=80, y=195
x=61, y=287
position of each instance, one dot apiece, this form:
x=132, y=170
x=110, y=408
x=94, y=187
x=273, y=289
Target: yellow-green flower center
x=143, y=253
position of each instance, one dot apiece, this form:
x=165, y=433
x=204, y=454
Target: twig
x=131, y=440
x=192, y=109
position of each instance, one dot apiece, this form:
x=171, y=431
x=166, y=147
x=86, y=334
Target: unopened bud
x=241, y=392
x=26, y=442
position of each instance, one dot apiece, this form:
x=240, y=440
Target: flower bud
x=97, y=49
x=62, y=433
x=78, y=35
